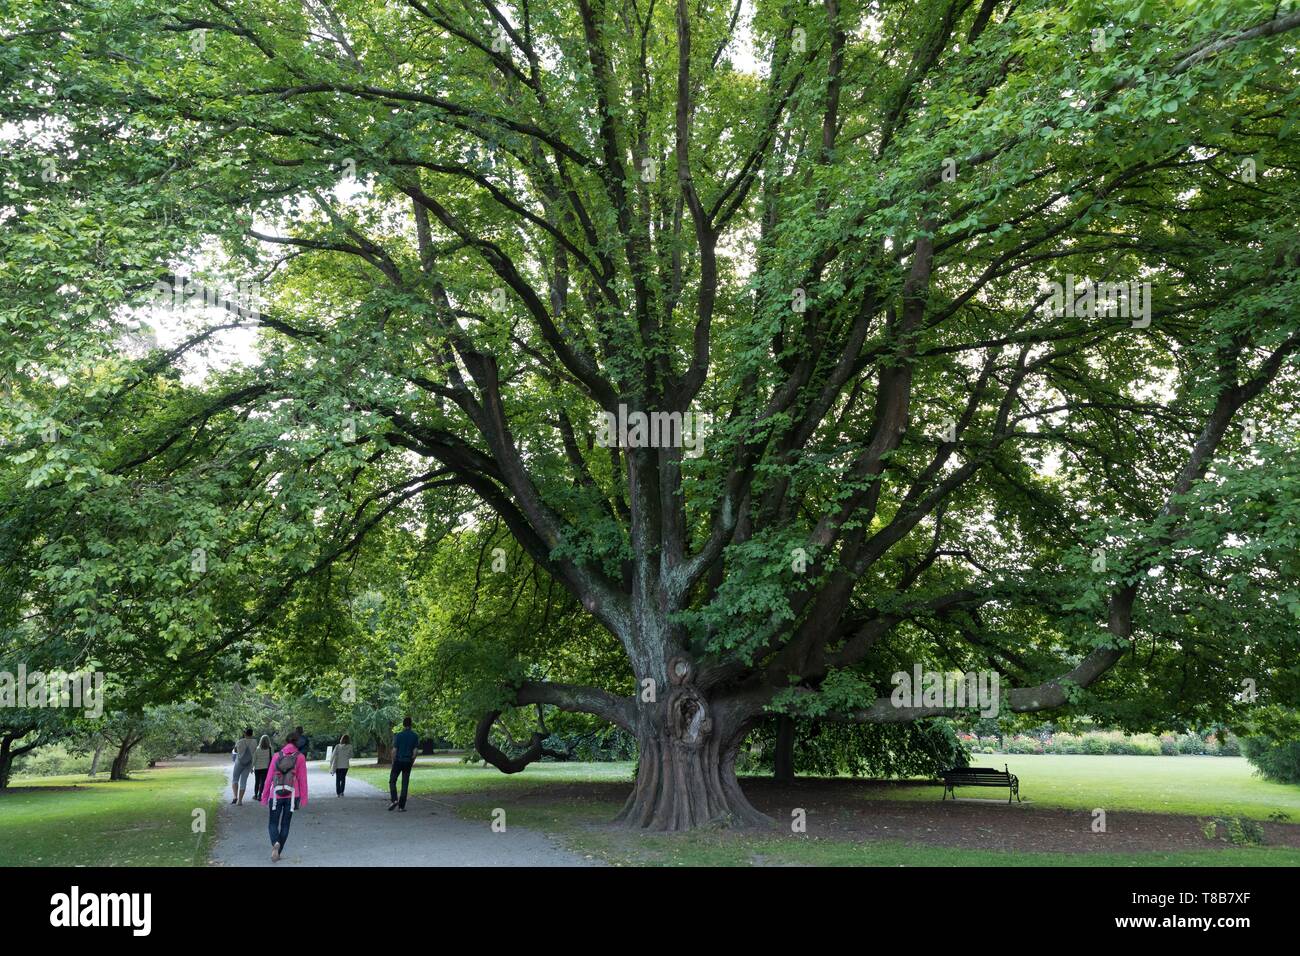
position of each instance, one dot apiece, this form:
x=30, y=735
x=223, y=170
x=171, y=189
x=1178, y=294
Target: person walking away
x=261, y=760
x=404, y=744
x=286, y=787
x=340, y=760
x=243, y=764
x=304, y=745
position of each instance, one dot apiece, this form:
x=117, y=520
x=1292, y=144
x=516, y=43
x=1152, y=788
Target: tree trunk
x=118, y=770
x=686, y=771
x=783, y=769
x=6, y=760
x=383, y=754
x=94, y=761
x=11, y=750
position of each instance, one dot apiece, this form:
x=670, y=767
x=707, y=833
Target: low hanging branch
x=570, y=697
x=499, y=759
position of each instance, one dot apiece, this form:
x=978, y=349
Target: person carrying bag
x=286, y=789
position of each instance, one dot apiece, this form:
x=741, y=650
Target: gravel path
x=358, y=830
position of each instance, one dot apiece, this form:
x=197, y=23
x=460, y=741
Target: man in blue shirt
x=404, y=744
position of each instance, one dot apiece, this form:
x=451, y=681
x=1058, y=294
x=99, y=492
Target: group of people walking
x=256, y=759
x=280, y=776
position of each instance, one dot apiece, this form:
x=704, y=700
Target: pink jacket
x=299, y=775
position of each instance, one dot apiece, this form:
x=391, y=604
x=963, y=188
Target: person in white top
x=243, y=757
x=340, y=760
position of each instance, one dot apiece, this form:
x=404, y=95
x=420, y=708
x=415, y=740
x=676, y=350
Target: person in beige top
x=340, y=760
x=243, y=757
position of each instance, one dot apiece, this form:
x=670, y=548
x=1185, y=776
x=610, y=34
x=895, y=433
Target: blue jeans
x=281, y=817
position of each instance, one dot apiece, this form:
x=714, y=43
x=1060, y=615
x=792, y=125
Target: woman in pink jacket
x=285, y=790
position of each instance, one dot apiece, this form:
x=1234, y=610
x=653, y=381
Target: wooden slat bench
x=981, y=777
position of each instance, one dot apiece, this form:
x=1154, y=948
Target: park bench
x=981, y=777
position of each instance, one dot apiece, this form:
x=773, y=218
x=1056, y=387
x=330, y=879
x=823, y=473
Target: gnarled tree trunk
x=686, y=771
x=6, y=759
x=11, y=749
x=120, y=762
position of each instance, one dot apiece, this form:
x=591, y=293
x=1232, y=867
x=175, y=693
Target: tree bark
x=783, y=764
x=118, y=770
x=686, y=770
x=9, y=752
x=383, y=755
x=6, y=760
x=94, y=761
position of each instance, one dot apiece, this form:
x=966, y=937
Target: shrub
x=1064, y=744
x=1190, y=744
x=1104, y=742
x=1146, y=745
x=1239, y=831
x=1274, y=759
x=1115, y=743
x=922, y=748
x=1094, y=743
x=605, y=744
x=1024, y=745
x=1168, y=745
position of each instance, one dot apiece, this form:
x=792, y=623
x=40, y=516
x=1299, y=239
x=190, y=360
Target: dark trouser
x=340, y=780
x=404, y=768
x=281, y=817
x=259, y=780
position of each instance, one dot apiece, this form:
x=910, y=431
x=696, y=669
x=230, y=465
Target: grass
x=1197, y=786
x=143, y=821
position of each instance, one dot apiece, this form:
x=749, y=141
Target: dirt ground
x=856, y=811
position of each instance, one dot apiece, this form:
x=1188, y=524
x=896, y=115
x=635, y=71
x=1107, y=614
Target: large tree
x=827, y=227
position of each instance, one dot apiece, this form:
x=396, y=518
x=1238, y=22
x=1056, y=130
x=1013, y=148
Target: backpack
x=283, y=778
x=245, y=756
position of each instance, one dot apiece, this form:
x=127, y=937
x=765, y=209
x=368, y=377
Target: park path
x=358, y=830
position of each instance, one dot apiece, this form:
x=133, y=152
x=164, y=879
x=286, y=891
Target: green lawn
x=144, y=821
x=1200, y=786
